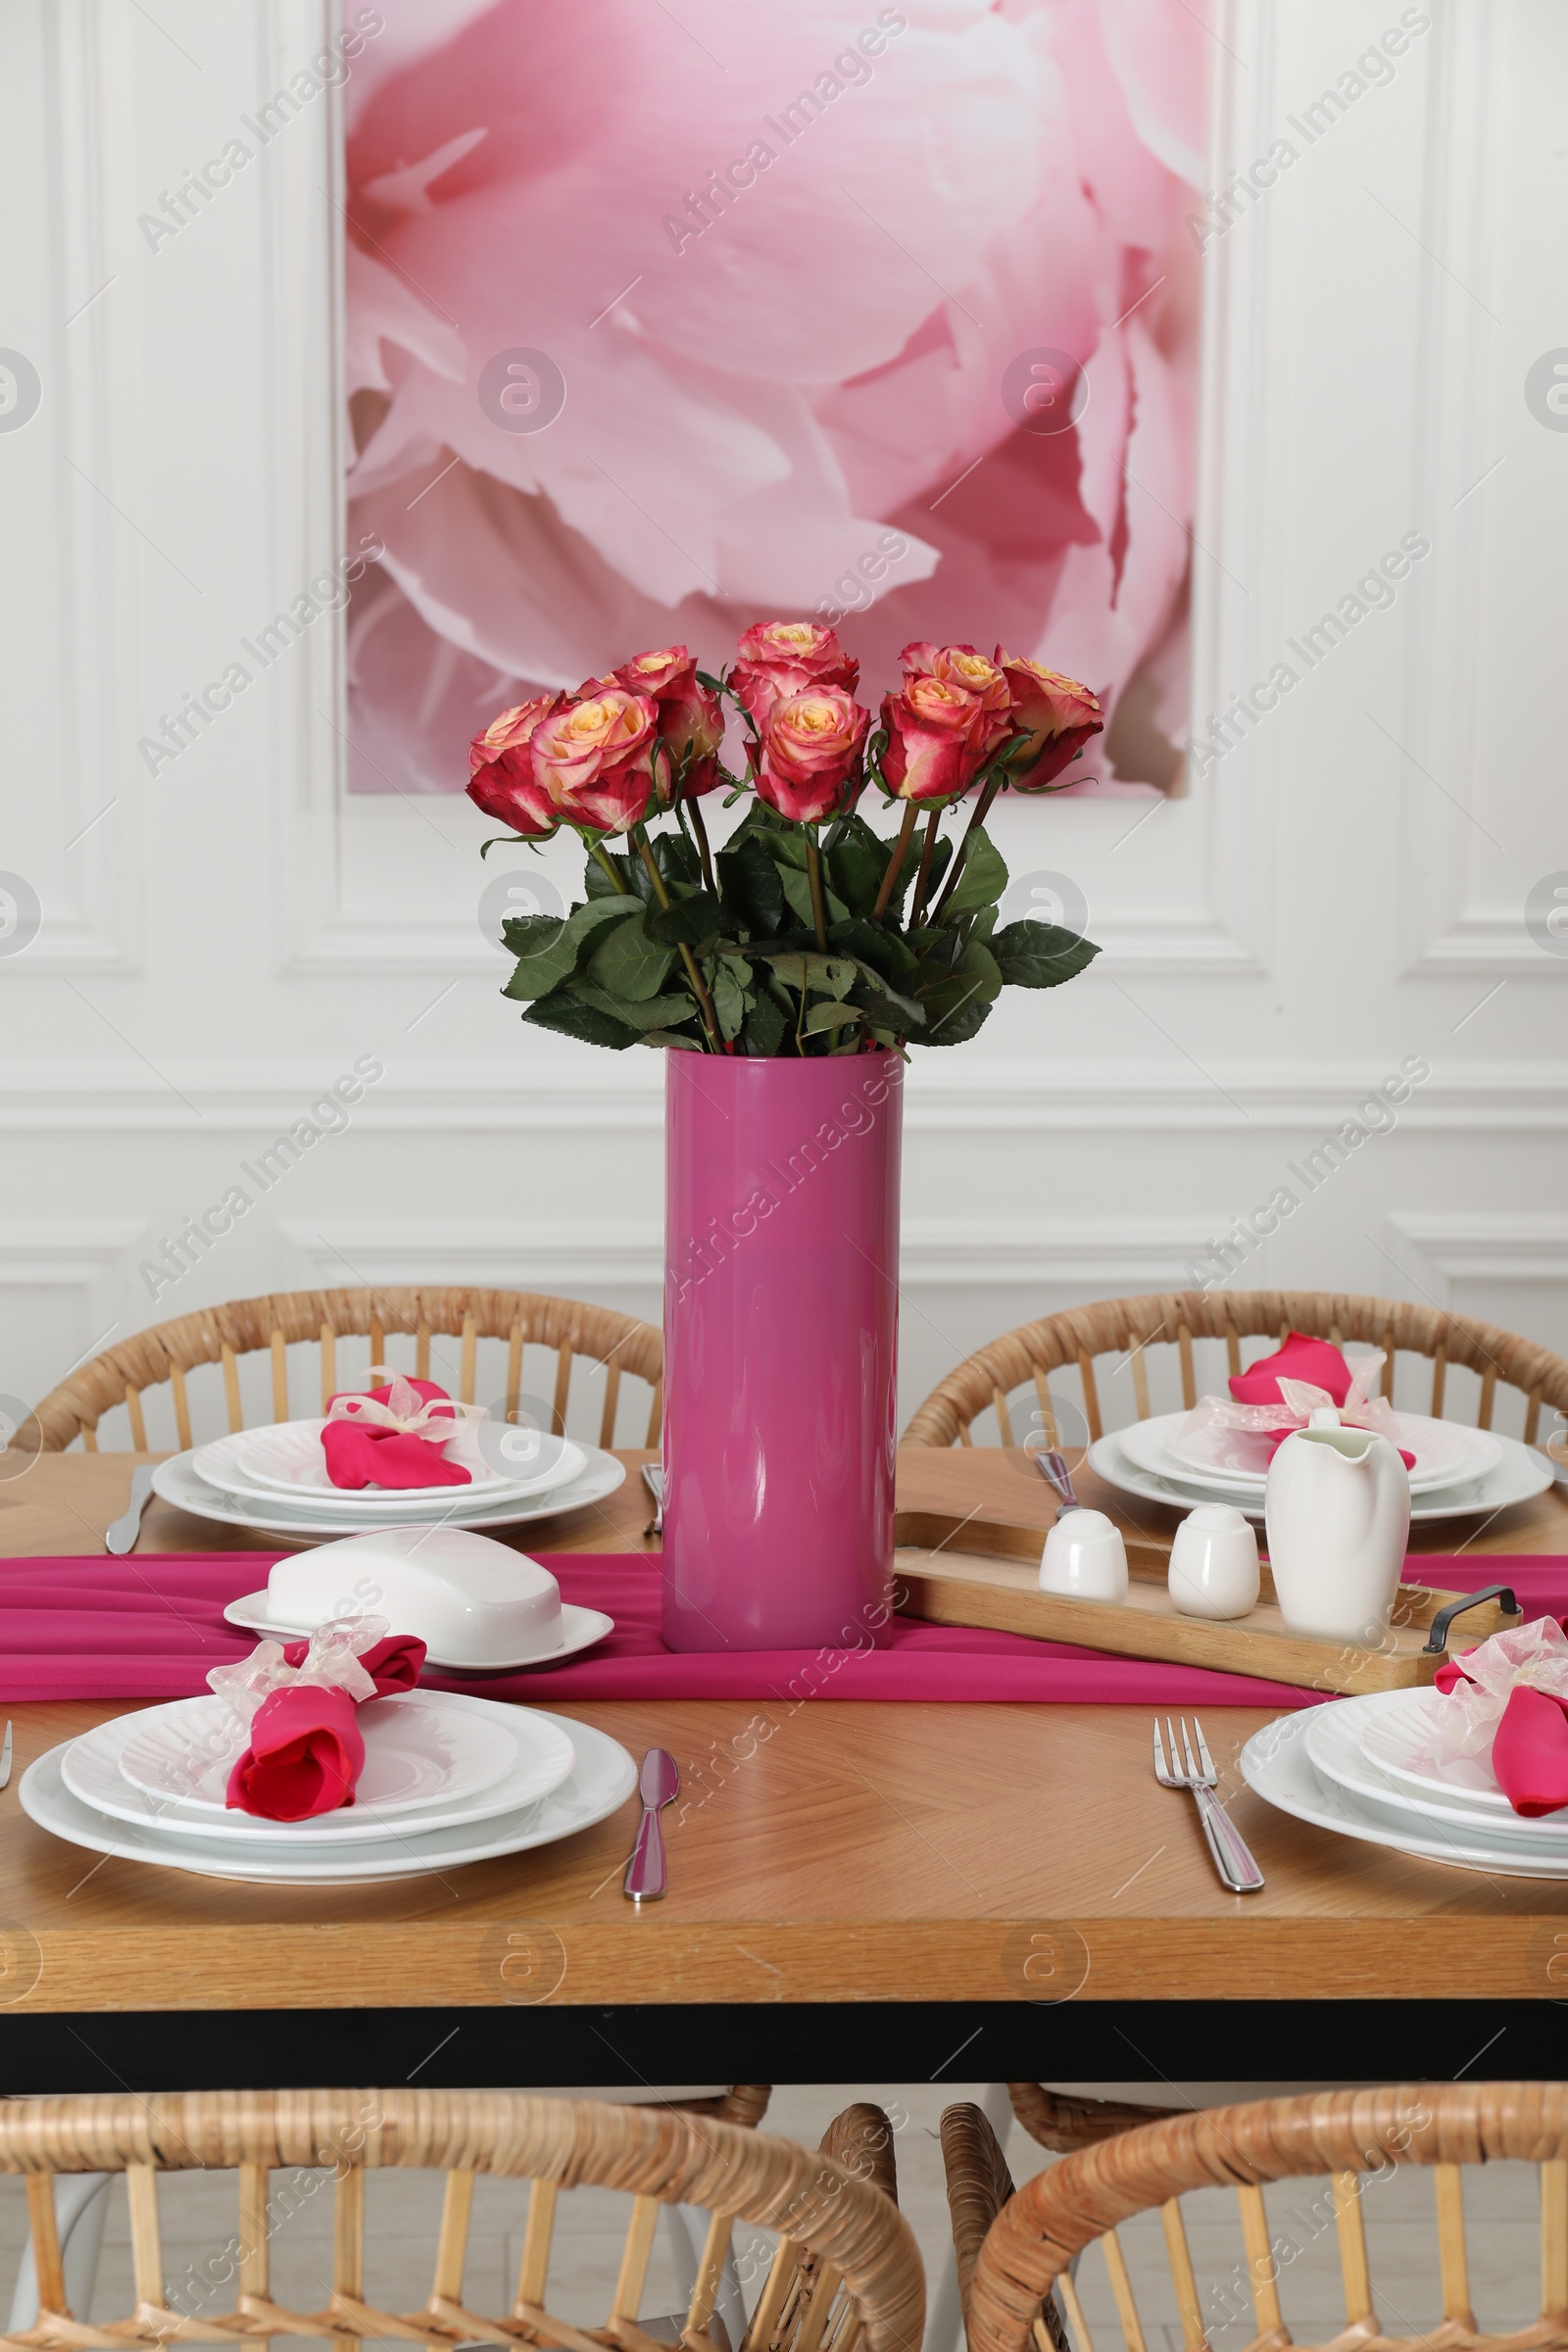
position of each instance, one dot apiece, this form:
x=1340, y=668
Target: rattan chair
x=979, y=2185
x=1133, y=1332
x=818, y=2313
x=865, y=2256
x=1348, y=2140
x=219, y=1336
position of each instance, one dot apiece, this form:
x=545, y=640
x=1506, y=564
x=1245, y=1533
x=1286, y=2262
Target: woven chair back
x=280, y=2144
x=1068, y=1378
x=1344, y=2142
x=445, y=1326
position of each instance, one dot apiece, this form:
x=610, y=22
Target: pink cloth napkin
x=360, y=1455
x=1529, y=1745
x=1300, y=1358
x=1317, y=1361
x=306, y=1750
x=146, y=1627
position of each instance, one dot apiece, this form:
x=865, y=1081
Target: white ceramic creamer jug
x=1337, y=1510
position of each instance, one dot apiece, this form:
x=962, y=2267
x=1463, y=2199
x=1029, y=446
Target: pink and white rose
x=501, y=777
x=810, y=753
x=595, y=758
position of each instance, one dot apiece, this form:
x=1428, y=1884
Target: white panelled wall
x=1339, y=896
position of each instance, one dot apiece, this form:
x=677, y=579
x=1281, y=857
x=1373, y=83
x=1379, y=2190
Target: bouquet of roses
x=807, y=932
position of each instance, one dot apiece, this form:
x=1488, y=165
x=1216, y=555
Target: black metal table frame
x=543, y=2047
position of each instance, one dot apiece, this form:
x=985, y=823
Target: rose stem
x=694, y=812
x=982, y=810
x=901, y=849
x=692, y=971
x=813, y=875
x=597, y=852
x=923, y=876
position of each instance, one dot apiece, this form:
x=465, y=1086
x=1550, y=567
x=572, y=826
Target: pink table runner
x=149, y=1627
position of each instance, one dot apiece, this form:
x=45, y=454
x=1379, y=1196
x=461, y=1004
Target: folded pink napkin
x=306, y=1750
x=393, y=1437
x=1300, y=1359
x=305, y=1755
x=1316, y=1365
x=1510, y=1698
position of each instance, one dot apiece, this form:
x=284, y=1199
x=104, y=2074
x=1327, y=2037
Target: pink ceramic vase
x=781, y=1314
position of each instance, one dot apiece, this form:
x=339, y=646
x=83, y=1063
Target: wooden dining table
x=857, y=1893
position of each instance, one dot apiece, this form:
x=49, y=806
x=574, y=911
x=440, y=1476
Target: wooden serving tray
x=994, y=1582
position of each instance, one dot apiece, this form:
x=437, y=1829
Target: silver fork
x=1232, y=1856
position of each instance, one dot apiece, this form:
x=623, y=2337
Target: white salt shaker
x=1213, y=1563
x=1084, y=1559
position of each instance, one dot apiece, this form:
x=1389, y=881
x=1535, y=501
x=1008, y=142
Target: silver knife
x=5, y=1755
x=121, y=1536
x=661, y=1785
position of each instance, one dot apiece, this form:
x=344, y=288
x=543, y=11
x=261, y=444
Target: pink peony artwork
x=663, y=323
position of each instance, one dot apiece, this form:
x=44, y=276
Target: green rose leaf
x=883, y=951
x=647, y=1013
x=957, y=998
x=527, y=934
x=676, y=861
x=550, y=961
x=694, y=923
x=821, y=975
x=798, y=891
x=886, y=1007
x=627, y=964
x=762, y=1030
x=630, y=869
x=983, y=880
x=855, y=865
x=1032, y=954
x=567, y=1013
x=732, y=993
x=831, y=1017
x=749, y=881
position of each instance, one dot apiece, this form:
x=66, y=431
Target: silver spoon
x=659, y=1785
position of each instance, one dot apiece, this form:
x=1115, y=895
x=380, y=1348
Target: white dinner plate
x=542, y=1757
x=1339, y=1746
x=1520, y=1475
x=1399, y=1742
x=581, y=1629
x=419, y=1745
x=287, y=1463
x=1447, y=1455
x=176, y=1482
x=1275, y=1764
x=599, y=1782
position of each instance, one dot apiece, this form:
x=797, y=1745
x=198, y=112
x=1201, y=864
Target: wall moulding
x=997, y=1096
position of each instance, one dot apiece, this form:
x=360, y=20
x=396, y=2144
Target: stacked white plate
x=447, y=1779
x=1373, y=1768
x=275, y=1481
x=1457, y=1471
